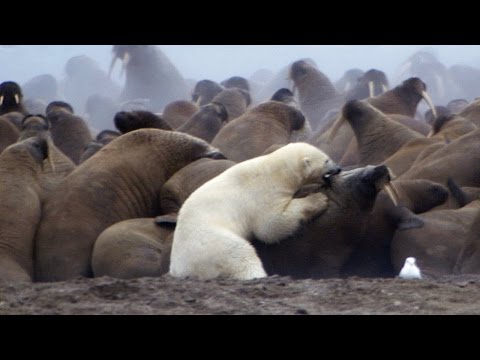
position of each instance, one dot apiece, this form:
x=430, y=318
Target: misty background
x=217, y=62
x=78, y=73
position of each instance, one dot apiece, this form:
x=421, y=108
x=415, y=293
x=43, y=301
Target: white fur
x=410, y=270
x=253, y=198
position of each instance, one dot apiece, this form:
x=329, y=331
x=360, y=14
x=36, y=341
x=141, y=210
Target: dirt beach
x=274, y=295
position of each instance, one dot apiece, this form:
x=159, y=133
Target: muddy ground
x=274, y=295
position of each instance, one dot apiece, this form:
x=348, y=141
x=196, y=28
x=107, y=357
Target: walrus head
x=10, y=93
x=124, y=53
x=418, y=88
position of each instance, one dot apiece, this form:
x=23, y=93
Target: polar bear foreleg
x=288, y=221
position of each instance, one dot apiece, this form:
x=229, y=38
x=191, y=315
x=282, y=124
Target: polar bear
x=253, y=199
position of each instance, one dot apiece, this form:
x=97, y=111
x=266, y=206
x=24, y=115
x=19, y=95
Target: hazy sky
x=218, y=62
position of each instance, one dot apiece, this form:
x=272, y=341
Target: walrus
x=11, y=98
x=316, y=94
x=205, y=91
x=250, y=135
x=121, y=181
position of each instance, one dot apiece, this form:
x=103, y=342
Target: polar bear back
x=267, y=178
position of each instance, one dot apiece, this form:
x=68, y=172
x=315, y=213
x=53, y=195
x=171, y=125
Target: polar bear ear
x=307, y=165
x=306, y=162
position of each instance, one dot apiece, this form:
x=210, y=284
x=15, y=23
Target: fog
x=432, y=63
x=217, y=62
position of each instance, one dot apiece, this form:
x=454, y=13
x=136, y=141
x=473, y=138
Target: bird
x=410, y=270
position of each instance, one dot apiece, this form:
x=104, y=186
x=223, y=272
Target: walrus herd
x=292, y=173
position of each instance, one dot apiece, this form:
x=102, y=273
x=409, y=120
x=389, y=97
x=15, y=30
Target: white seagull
x=410, y=270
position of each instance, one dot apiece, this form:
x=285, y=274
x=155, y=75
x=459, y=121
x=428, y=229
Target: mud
x=273, y=296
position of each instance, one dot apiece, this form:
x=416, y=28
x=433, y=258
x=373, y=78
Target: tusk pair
x=125, y=61
x=348, y=86
x=50, y=161
x=371, y=88
x=50, y=146
x=17, y=99
x=392, y=193
x=429, y=101
x=390, y=188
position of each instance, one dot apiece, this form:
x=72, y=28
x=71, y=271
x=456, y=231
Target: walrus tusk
x=384, y=88
x=50, y=160
x=1, y=100
x=391, y=189
x=430, y=134
x=17, y=99
x=371, y=89
x=126, y=61
x=335, y=127
x=392, y=193
x=348, y=86
x=391, y=174
x=429, y=102
x=199, y=100
x=112, y=64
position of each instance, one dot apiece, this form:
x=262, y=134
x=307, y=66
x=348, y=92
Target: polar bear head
x=311, y=164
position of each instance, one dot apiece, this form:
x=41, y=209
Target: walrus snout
x=378, y=173
x=381, y=177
